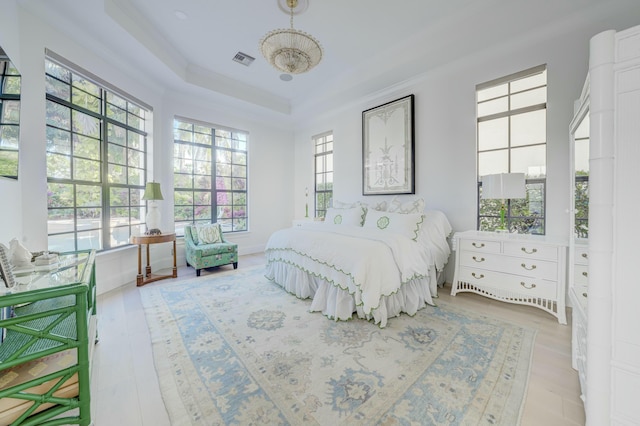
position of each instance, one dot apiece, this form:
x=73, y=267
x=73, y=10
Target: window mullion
x=104, y=176
x=214, y=174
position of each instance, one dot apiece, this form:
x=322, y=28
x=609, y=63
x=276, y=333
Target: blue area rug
x=235, y=349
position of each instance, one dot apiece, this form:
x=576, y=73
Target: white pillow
x=415, y=205
x=209, y=233
x=353, y=216
x=380, y=206
x=407, y=224
x=340, y=205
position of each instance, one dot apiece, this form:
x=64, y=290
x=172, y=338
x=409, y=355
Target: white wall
x=24, y=208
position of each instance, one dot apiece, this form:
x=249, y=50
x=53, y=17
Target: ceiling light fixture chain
x=291, y=50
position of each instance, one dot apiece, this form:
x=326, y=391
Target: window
x=9, y=117
x=511, y=131
x=96, y=162
x=323, y=172
x=209, y=176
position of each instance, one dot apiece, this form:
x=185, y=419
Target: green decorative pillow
x=405, y=224
x=209, y=233
x=353, y=216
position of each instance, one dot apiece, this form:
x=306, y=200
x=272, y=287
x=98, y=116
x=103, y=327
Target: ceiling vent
x=243, y=58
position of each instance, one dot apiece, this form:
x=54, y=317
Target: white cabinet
x=578, y=264
x=612, y=313
x=523, y=269
x=578, y=294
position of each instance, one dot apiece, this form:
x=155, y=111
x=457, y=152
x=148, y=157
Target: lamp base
x=153, y=219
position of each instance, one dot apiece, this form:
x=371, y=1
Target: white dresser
x=515, y=268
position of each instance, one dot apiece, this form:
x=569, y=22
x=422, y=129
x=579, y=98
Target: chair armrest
x=189, y=242
x=187, y=237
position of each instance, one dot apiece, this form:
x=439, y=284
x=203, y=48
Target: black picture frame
x=388, y=145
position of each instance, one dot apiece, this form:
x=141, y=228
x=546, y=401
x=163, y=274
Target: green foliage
x=581, y=194
x=9, y=163
x=524, y=216
x=10, y=118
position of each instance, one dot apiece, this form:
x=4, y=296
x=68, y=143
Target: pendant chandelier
x=290, y=50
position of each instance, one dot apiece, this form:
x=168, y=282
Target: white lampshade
x=503, y=186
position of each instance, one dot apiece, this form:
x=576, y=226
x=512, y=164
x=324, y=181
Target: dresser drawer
x=533, y=268
x=474, y=259
x=582, y=294
x=480, y=245
x=581, y=275
x=507, y=284
x=582, y=255
x=531, y=250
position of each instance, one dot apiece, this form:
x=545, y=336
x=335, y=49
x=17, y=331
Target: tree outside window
x=96, y=162
x=10, y=87
x=210, y=176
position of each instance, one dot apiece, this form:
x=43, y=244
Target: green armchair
x=201, y=255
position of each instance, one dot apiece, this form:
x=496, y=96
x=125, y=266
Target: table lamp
x=152, y=193
x=503, y=186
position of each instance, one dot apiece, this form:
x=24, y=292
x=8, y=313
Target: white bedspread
x=367, y=263
x=374, y=273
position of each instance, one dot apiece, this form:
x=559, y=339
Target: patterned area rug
x=235, y=349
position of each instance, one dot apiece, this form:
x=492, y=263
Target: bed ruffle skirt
x=340, y=304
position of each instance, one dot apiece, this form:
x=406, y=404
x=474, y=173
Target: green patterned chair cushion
x=217, y=248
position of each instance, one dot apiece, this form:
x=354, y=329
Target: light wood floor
x=125, y=387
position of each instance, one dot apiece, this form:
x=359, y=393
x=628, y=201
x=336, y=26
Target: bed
x=377, y=264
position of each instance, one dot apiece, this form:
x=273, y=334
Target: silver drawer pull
x=585, y=255
x=480, y=276
x=528, y=287
x=478, y=260
x=585, y=274
x=476, y=245
x=584, y=294
x=528, y=268
x=524, y=249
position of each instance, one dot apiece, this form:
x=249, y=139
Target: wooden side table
x=148, y=277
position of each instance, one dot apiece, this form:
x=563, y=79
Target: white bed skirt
x=339, y=304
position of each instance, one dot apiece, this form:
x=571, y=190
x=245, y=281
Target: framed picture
x=5, y=268
x=387, y=148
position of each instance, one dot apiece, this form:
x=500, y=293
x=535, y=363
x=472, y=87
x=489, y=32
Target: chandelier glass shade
x=290, y=50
